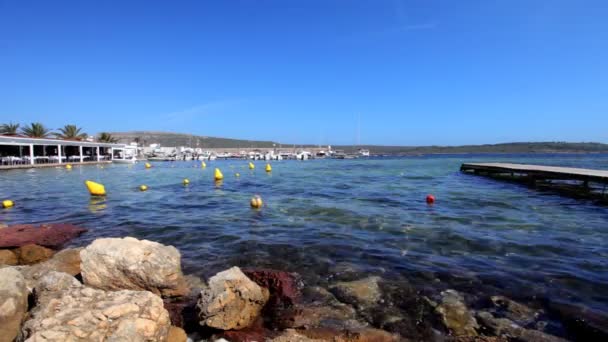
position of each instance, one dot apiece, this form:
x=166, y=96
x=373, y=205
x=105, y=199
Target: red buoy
x=430, y=199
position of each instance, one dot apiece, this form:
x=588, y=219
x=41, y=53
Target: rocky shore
x=124, y=289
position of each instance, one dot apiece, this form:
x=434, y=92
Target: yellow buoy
x=7, y=204
x=203, y=165
x=268, y=168
x=251, y=166
x=256, y=202
x=237, y=174
x=186, y=181
x=143, y=187
x=218, y=174
x=95, y=189
x=68, y=167
x=148, y=165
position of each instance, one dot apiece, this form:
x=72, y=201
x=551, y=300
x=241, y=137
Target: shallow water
x=482, y=236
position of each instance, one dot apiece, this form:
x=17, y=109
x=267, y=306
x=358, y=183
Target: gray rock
x=69, y=311
x=361, y=293
x=128, y=263
x=455, y=314
x=231, y=301
x=13, y=302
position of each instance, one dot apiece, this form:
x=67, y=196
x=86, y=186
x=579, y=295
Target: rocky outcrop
x=128, y=263
x=13, y=303
x=361, y=293
x=7, y=257
x=455, y=314
x=232, y=301
x=32, y=254
x=47, y=235
x=68, y=311
x=66, y=261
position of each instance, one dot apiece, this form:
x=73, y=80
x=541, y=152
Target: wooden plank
x=553, y=172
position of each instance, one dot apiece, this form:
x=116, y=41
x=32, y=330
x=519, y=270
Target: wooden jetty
x=569, y=180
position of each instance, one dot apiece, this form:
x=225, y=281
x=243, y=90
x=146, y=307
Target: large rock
x=68, y=311
x=67, y=261
x=128, y=263
x=284, y=286
x=32, y=254
x=455, y=314
x=361, y=293
x=177, y=335
x=13, y=303
x=232, y=301
x=47, y=235
x=7, y=257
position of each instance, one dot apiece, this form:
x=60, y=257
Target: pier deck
x=537, y=171
x=37, y=166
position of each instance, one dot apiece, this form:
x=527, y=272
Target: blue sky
x=312, y=71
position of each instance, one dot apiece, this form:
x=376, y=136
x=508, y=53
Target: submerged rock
x=13, y=303
x=291, y=335
x=319, y=308
x=47, y=235
x=361, y=293
x=69, y=311
x=7, y=257
x=506, y=327
x=128, y=263
x=366, y=334
x=232, y=301
x=455, y=314
x=32, y=254
x=514, y=311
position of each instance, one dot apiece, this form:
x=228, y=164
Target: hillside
x=179, y=139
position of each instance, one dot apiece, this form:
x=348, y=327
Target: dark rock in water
x=515, y=311
x=581, y=324
x=32, y=254
x=319, y=307
x=506, y=327
x=284, y=286
x=182, y=311
x=404, y=311
x=365, y=334
x=47, y=235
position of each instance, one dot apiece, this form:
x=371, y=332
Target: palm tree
x=35, y=130
x=71, y=132
x=106, y=137
x=9, y=129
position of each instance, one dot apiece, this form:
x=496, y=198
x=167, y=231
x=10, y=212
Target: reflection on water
x=482, y=236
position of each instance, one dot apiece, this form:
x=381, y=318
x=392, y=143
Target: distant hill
x=515, y=147
x=180, y=139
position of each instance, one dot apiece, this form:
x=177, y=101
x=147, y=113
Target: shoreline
x=266, y=305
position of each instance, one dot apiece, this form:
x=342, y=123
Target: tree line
x=38, y=130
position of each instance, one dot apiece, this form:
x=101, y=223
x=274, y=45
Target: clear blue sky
x=308, y=71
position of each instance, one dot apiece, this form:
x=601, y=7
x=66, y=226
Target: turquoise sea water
x=482, y=236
